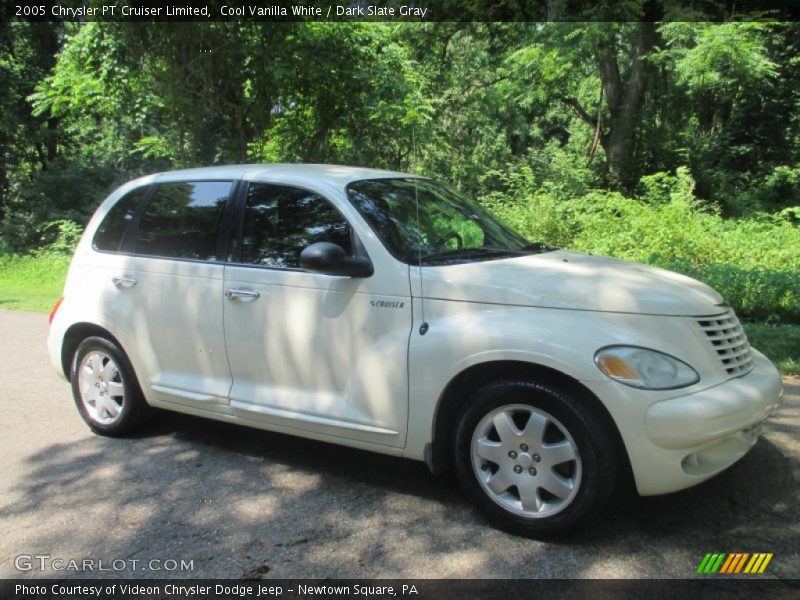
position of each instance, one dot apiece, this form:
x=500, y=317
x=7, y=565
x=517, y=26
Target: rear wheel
x=105, y=389
x=534, y=458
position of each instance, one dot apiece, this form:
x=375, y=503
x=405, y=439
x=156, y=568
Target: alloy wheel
x=526, y=461
x=101, y=387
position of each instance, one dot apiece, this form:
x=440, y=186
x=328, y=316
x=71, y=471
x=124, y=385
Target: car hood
x=570, y=280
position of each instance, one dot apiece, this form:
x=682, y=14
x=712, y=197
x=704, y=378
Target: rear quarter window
x=109, y=234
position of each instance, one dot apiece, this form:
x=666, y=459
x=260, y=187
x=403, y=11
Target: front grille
x=729, y=341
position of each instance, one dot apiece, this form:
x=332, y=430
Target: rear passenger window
x=182, y=220
x=281, y=221
x=109, y=234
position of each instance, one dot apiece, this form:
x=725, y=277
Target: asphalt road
x=240, y=502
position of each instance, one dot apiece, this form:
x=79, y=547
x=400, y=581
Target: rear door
x=165, y=294
x=312, y=352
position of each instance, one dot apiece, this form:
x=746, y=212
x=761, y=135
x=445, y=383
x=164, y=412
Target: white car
x=387, y=312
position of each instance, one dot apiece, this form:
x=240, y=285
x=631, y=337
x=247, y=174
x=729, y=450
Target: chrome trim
x=238, y=293
x=728, y=340
x=123, y=281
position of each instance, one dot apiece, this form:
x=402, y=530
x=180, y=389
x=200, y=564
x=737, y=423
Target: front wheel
x=533, y=458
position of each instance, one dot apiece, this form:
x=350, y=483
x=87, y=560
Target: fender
x=462, y=335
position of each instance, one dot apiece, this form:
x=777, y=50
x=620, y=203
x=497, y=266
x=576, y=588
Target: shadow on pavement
x=247, y=503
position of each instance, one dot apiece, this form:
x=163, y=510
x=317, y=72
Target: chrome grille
x=729, y=341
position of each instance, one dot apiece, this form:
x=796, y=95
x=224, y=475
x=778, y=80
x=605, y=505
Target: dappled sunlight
x=569, y=280
x=176, y=307
x=781, y=435
x=614, y=568
x=253, y=511
x=187, y=455
x=241, y=501
x=283, y=363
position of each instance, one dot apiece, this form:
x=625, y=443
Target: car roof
x=333, y=174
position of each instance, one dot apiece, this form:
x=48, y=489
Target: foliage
x=778, y=186
x=674, y=144
x=35, y=281
x=66, y=235
x=780, y=343
x=583, y=105
x=769, y=295
x=754, y=262
x=66, y=191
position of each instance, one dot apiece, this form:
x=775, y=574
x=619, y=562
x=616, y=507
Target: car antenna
x=423, y=328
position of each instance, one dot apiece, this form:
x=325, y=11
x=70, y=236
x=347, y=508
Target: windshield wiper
x=466, y=253
x=455, y=254
x=537, y=247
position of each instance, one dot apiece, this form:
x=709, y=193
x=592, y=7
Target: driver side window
x=281, y=221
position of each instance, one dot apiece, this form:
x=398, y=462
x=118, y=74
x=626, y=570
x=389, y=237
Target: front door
x=310, y=352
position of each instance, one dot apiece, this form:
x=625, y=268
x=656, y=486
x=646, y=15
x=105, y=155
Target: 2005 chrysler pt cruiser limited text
x=387, y=312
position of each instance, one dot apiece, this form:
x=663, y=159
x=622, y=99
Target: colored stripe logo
x=729, y=563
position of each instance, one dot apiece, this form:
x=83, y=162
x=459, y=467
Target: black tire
x=595, y=472
x=135, y=409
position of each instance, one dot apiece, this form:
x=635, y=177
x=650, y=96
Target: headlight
x=643, y=368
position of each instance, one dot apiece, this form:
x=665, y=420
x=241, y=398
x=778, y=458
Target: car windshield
x=420, y=219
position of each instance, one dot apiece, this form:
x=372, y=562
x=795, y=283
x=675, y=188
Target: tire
x=105, y=388
x=533, y=458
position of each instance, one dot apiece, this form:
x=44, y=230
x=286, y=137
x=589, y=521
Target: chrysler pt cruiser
x=388, y=312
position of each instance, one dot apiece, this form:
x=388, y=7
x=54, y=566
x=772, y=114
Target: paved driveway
x=239, y=502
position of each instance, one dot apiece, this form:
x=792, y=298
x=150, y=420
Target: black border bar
x=420, y=11
x=396, y=589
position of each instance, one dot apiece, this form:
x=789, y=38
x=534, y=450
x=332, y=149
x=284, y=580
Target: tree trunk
x=624, y=99
x=3, y=174
x=52, y=138
x=50, y=44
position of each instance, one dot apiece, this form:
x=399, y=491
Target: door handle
x=123, y=281
x=240, y=294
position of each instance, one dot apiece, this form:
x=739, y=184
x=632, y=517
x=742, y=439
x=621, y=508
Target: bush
x=754, y=263
x=779, y=188
x=758, y=294
x=65, y=191
x=780, y=343
x=66, y=235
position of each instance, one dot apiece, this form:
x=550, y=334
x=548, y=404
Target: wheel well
x=74, y=336
x=453, y=399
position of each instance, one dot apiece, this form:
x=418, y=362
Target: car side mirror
x=331, y=259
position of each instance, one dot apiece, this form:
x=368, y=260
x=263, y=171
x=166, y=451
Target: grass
x=32, y=283
x=35, y=283
x=780, y=343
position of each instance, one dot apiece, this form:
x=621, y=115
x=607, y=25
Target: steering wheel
x=449, y=236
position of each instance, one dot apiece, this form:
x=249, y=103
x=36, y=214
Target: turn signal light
x=616, y=368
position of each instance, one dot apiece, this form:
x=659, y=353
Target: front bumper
x=688, y=439
x=717, y=412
